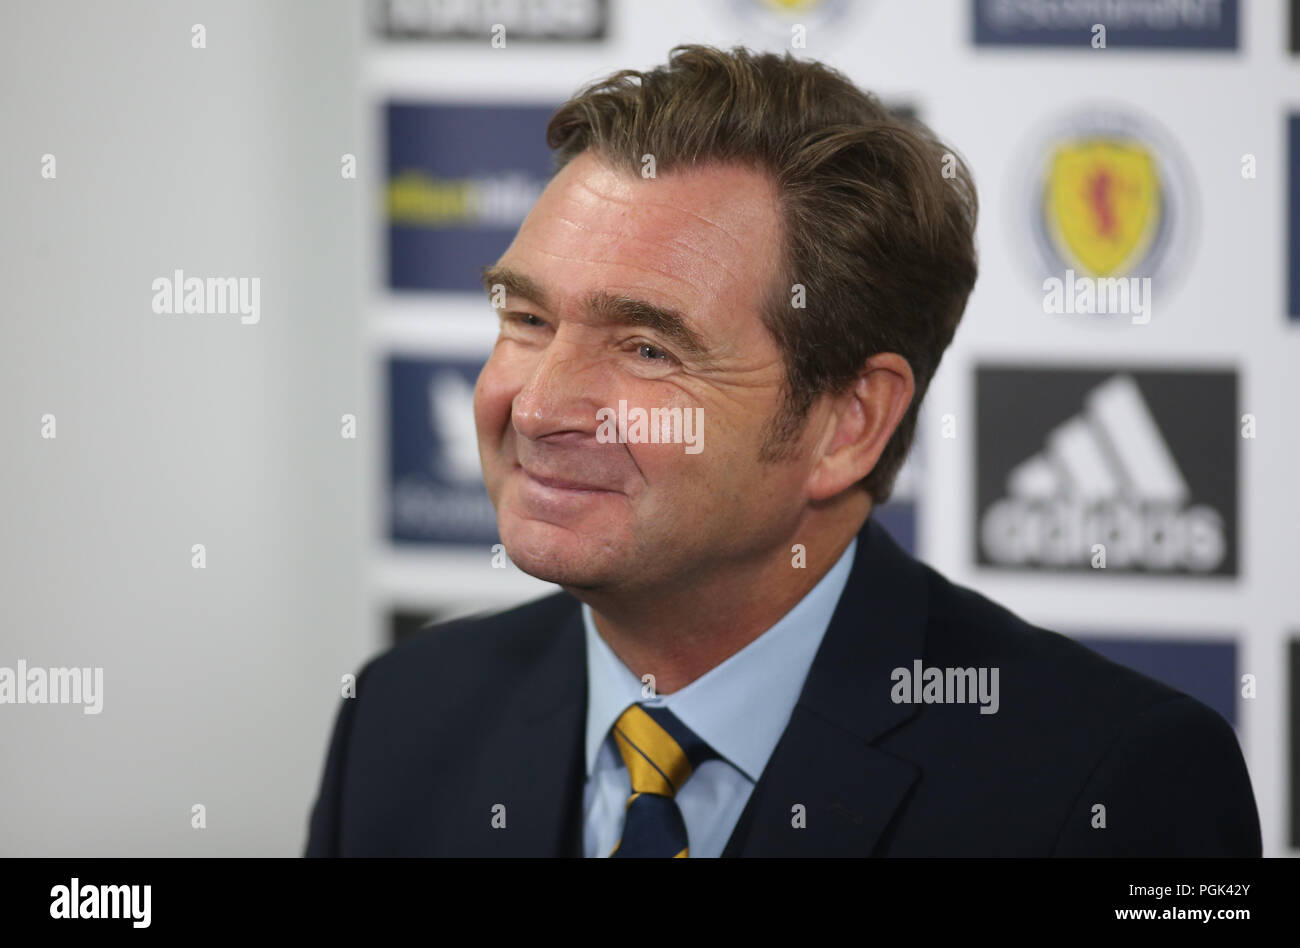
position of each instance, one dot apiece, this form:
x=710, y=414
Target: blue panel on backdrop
x=899, y=519
x=461, y=179
x=1149, y=24
x=435, y=482
x=1205, y=670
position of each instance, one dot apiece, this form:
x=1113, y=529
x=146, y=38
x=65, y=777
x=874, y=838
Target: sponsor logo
x=436, y=492
x=554, y=20
x=1131, y=24
x=1109, y=197
x=418, y=199
x=460, y=180
x=1079, y=470
x=798, y=24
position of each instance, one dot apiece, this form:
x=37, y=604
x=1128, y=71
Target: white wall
x=219, y=684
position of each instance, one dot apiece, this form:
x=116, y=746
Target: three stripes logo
x=1139, y=463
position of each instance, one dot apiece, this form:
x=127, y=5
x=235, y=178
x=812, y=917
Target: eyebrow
x=516, y=284
x=607, y=307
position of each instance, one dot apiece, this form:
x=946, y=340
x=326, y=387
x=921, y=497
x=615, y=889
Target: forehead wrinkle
x=641, y=202
x=699, y=217
x=673, y=241
x=633, y=266
x=584, y=185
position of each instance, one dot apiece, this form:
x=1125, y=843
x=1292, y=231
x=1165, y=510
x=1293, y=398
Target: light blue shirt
x=740, y=708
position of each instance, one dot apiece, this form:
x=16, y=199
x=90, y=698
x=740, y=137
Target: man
x=758, y=258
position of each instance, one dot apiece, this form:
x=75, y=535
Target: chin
x=552, y=553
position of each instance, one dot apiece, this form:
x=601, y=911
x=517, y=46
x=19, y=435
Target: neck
x=679, y=634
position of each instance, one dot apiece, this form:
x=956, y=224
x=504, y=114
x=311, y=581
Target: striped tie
x=660, y=753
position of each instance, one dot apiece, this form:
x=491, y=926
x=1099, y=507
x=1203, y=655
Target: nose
x=558, y=396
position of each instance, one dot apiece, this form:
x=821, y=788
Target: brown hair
x=879, y=215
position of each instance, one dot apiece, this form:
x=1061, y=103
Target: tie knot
x=659, y=750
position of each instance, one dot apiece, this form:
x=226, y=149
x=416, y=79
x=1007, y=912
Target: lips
x=562, y=483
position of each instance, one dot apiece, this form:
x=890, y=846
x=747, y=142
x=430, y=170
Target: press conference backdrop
x=226, y=513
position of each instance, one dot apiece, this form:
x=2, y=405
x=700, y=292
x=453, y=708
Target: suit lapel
x=531, y=758
x=825, y=761
x=530, y=762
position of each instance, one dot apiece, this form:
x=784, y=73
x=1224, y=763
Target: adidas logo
x=1105, y=476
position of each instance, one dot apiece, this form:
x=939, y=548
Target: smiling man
x=741, y=662
x=649, y=290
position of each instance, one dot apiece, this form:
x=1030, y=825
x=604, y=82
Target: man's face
x=699, y=245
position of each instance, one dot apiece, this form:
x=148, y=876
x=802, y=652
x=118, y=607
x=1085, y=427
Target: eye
x=530, y=320
x=661, y=356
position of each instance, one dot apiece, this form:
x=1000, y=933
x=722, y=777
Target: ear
x=862, y=419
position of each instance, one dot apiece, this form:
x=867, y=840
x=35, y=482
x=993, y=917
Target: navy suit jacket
x=477, y=714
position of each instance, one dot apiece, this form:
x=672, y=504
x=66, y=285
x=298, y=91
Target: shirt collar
x=720, y=705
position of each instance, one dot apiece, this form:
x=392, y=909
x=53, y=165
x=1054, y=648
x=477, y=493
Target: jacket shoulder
x=483, y=647
x=414, y=725
x=1043, y=665
x=1072, y=731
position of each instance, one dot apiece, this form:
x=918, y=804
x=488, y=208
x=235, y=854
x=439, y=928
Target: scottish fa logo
x=795, y=24
x=1110, y=197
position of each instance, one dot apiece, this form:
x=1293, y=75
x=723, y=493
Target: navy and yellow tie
x=660, y=753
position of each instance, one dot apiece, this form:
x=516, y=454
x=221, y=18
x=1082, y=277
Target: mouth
x=564, y=484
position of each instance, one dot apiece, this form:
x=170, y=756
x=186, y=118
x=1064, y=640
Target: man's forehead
x=697, y=237
x=725, y=197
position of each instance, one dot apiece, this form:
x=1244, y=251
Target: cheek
x=697, y=462
x=493, y=393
